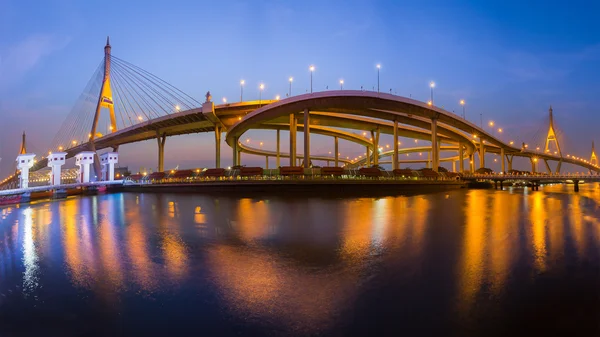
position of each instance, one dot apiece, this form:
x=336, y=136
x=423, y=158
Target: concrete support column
x=375, y=137
x=461, y=157
x=503, y=168
x=337, y=152
x=434, y=146
x=292, y=140
x=267, y=162
x=509, y=159
x=239, y=157
x=306, y=139
x=481, y=154
x=453, y=166
x=395, y=155
x=533, y=165
x=277, y=163
x=234, y=147
x=161, y=139
x=558, y=166
x=217, y=146
x=472, y=162
x=368, y=162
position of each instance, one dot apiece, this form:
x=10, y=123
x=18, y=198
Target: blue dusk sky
x=510, y=60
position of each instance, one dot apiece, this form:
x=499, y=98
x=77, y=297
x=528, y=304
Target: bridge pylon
x=593, y=158
x=105, y=100
x=551, y=137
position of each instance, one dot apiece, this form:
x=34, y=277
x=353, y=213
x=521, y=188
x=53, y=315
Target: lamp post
x=311, y=68
x=290, y=92
x=341, y=84
x=432, y=85
x=242, y=82
x=260, y=87
x=462, y=102
x=378, y=67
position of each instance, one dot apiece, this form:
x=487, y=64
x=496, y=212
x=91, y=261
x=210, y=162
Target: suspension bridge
x=123, y=104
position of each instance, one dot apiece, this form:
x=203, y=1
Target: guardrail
x=273, y=174
x=530, y=176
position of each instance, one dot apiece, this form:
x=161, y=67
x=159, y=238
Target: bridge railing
x=307, y=174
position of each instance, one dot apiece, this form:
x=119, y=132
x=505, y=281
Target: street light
x=311, y=68
x=341, y=84
x=242, y=82
x=277, y=98
x=432, y=85
x=378, y=68
x=177, y=108
x=462, y=102
x=224, y=100
x=261, y=87
x=291, y=80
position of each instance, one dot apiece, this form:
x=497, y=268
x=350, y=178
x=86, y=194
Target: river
x=457, y=263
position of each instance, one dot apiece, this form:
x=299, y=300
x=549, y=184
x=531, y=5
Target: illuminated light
x=462, y=102
x=291, y=79
x=140, y=118
x=242, y=82
x=535, y=160
x=387, y=146
x=500, y=130
x=172, y=171
x=511, y=142
x=432, y=84
x=261, y=143
x=526, y=145
x=495, y=160
x=379, y=66
x=429, y=103
x=89, y=135
x=49, y=152
x=555, y=152
x=341, y=81
x=491, y=123
x=229, y=167
x=371, y=139
x=474, y=136
x=364, y=133
x=537, y=148
x=60, y=148
x=420, y=153
x=277, y=98
x=311, y=68
x=197, y=171
x=415, y=140
x=74, y=142
x=247, y=140
x=145, y=173
x=177, y=108
x=399, y=143
x=261, y=86
x=224, y=100
x=239, y=118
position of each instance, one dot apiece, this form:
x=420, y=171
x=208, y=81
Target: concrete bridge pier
x=481, y=155
x=502, y=166
x=218, y=131
x=472, y=162
x=576, y=185
x=368, y=162
x=453, y=166
x=395, y=155
x=461, y=158
x=161, y=139
x=533, y=165
x=375, y=136
x=337, y=151
x=277, y=163
x=434, y=146
x=267, y=162
x=293, y=122
x=509, y=159
x=235, y=157
x=306, y=139
x=558, y=166
x=547, y=166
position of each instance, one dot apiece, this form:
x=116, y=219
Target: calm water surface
x=468, y=262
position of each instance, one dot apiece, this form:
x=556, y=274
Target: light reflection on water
x=299, y=265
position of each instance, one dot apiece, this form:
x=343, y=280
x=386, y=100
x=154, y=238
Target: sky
x=509, y=60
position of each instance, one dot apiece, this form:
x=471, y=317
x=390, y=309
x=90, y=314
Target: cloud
x=17, y=60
